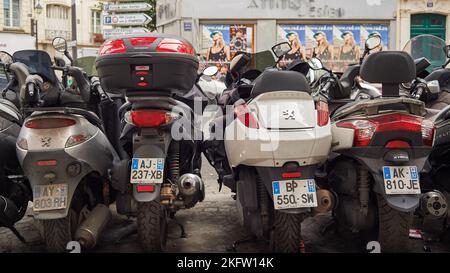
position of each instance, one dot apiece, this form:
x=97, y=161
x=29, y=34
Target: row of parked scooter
x=368, y=145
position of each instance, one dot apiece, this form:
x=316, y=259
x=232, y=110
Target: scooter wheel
x=152, y=226
x=393, y=225
x=58, y=232
x=286, y=235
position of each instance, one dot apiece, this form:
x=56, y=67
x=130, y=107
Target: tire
x=152, y=226
x=286, y=234
x=393, y=233
x=58, y=232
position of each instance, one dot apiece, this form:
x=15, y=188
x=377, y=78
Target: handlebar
x=327, y=86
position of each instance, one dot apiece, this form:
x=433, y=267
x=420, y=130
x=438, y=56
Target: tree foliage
x=152, y=13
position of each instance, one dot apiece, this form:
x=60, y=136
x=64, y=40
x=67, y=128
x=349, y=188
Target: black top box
x=147, y=62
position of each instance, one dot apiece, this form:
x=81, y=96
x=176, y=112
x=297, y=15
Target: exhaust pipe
x=190, y=185
x=89, y=231
x=433, y=204
x=326, y=201
x=192, y=189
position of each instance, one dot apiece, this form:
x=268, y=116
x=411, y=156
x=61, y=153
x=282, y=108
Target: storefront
x=333, y=30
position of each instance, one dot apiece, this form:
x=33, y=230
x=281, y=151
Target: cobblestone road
x=211, y=226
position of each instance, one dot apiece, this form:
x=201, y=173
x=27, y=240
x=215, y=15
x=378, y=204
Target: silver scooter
x=64, y=153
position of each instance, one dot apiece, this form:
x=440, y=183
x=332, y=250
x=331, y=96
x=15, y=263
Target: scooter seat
x=12, y=106
x=275, y=80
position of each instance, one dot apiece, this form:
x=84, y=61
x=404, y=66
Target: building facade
x=417, y=17
x=56, y=20
x=52, y=19
x=15, y=25
x=314, y=27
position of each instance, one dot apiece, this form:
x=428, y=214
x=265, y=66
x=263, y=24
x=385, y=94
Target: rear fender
x=36, y=176
x=401, y=202
x=370, y=158
x=270, y=174
x=150, y=147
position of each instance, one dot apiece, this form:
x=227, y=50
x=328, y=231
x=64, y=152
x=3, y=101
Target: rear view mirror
x=373, y=42
x=5, y=57
x=210, y=71
x=60, y=44
x=315, y=64
x=239, y=62
x=281, y=49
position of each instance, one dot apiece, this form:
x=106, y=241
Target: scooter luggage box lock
x=141, y=75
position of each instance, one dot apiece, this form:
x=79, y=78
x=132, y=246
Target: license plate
x=292, y=194
x=50, y=197
x=401, y=180
x=147, y=171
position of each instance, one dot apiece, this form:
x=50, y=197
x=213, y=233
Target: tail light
x=428, y=131
x=364, y=129
x=145, y=188
x=166, y=45
x=247, y=118
x=46, y=163
x=291, y=174
x=323, y=115
x=112, y=47
x=176, y=46
x=149, y=118
x=142, y=41
x=77, y=139
x=49, y=123
x=397, y=144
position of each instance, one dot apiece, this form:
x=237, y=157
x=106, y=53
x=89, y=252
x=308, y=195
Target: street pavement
x=211, y=226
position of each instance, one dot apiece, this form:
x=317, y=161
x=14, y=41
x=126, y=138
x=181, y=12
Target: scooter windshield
x=428, y=46
x=262, y=60
x=38, y=62
x=87, y=64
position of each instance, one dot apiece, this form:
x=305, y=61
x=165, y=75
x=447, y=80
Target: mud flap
x=401, y=202
x=149, y=151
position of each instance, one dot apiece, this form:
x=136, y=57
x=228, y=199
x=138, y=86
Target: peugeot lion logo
x=46, y=141
x=289, y=114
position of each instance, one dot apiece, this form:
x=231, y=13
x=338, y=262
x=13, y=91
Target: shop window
x=337, y=46
x=221, y=42
x=11, y=11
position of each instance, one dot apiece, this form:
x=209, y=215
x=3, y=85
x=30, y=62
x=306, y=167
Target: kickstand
x=16, y=232
x=183, y=232
x=251, y=239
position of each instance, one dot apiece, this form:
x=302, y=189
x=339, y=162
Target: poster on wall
x=221, y=42
x=336, y=45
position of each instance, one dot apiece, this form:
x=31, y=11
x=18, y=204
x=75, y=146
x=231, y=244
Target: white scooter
x=277, y=133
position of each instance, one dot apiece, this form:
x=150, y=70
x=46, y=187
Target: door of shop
x=428, y=23
x=433, y=24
